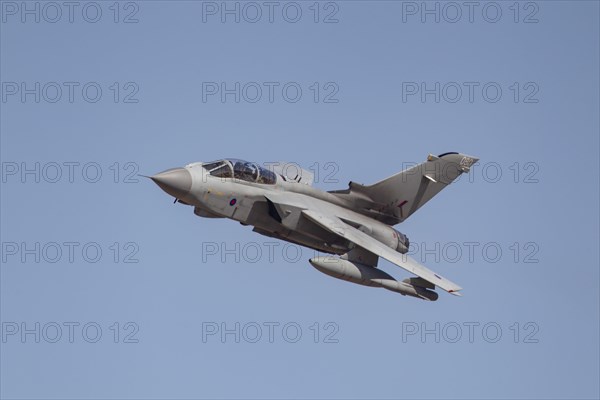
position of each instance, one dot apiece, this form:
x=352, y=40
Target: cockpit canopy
x=240, y=169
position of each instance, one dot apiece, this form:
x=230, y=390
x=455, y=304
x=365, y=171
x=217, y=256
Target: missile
x=370, y=276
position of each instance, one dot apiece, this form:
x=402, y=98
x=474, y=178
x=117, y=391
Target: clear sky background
x=533, y=197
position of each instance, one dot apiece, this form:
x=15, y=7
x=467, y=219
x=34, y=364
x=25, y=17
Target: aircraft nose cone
x=176, y=181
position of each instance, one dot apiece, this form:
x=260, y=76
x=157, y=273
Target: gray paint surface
x=355, y=223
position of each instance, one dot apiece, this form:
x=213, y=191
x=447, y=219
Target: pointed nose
x=176, y=181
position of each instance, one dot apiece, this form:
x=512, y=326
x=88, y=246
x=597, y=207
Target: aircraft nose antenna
x=176, y=181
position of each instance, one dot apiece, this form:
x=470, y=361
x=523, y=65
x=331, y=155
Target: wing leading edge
x=361, y=239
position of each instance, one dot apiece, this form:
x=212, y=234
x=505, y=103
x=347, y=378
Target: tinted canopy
x=240, y=169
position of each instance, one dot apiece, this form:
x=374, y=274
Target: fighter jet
x=354, y=224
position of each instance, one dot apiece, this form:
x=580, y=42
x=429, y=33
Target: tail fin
x=396, y=198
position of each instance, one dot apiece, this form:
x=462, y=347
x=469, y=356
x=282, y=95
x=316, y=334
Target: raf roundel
x=232, y=202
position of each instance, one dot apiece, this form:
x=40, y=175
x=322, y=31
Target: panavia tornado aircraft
x=355, y=223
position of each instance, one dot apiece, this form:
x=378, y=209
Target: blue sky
x=153, y=302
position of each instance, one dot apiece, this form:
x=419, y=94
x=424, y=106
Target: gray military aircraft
x=355, y=223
